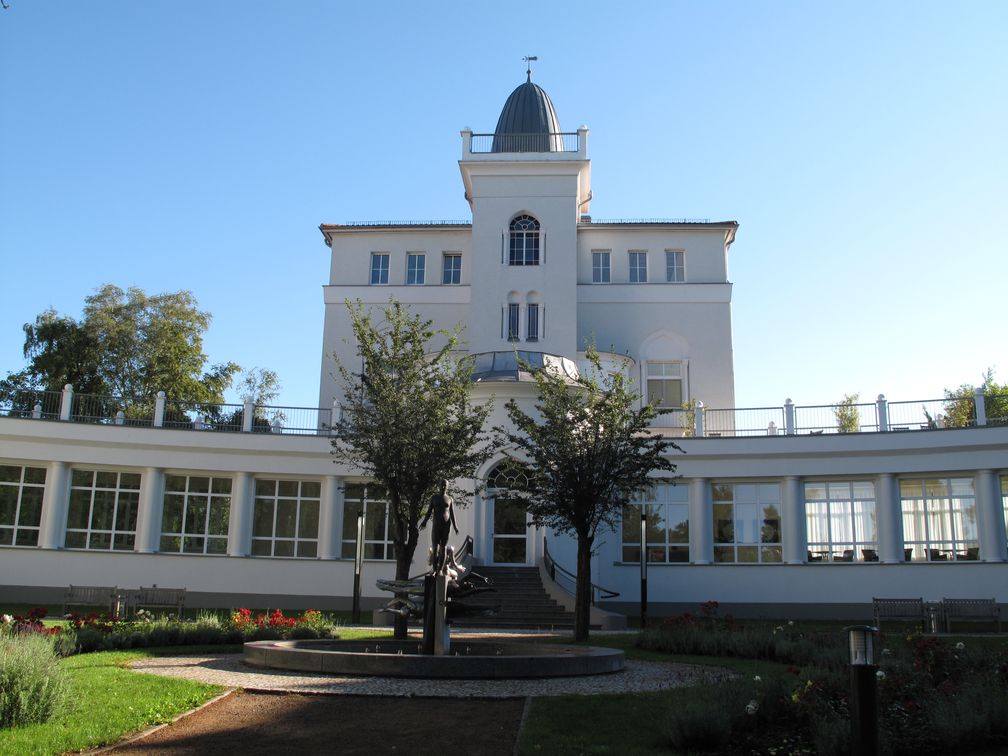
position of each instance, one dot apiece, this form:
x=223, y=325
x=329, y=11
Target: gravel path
x=229, y=671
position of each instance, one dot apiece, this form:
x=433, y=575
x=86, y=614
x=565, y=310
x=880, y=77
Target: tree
x=848, y=419
x=407, y=420
x=588, y=452
x=960, y=411
x=128, y=345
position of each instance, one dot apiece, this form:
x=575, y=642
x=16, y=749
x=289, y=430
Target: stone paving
x=229, y=670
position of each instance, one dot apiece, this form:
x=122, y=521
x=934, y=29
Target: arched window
x=524, y=248
x=507, y=475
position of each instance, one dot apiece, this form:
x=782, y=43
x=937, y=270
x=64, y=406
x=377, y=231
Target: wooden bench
x=970, y=610
x=899, y=608
x=158, y=598
x=107, y=597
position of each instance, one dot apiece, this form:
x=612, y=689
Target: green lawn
x=106, y=702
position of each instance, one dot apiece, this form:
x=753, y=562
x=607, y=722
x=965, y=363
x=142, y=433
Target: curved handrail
x=598, y=592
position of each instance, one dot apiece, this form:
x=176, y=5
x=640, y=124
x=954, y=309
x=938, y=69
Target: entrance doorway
x=509, y=531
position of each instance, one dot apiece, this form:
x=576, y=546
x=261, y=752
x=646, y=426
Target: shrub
x=32, y=685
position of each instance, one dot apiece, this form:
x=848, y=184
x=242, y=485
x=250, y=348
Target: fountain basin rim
x=474, y=660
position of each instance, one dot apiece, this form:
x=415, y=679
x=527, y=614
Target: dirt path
x=269, y=723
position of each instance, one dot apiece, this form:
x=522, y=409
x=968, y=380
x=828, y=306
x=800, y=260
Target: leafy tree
x=848, y=419
x=960, y=411
x=127, y=344
x=589, y=452
x=407, y=421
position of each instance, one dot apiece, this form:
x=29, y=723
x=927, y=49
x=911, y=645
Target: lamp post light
x=358, y=568
x=643, y=566
x=864, y=690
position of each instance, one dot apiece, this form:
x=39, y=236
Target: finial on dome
x=528, y=59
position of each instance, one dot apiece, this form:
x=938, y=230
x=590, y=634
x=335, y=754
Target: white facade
x=772, y=517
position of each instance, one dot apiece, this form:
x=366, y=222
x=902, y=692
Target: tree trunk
x=404, y=562
x=583, y=594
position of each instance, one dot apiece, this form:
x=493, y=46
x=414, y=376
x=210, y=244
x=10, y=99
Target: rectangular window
x=939, y=519
x=532, y=326
x=21, y=491
x=370, y=500
x=416, y=268
x=665, y=384
x=512, y=322
x=103, y=510
x=196, y=513
x=1004, y=502
x=451, y=272
x=285, y=520
x=666, y=510
x=675, y=265
x=747, y=522
x=638, y=266
x=840, y=521
x=600, y=266
x=379, y=268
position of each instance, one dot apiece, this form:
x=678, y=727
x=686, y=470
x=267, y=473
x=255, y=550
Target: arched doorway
x=510, y=532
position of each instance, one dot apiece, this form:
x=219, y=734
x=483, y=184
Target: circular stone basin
x=478, y=659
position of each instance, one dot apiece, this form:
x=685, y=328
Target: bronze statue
x=442, y=514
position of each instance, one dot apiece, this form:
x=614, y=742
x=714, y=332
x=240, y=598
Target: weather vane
x=528, y=59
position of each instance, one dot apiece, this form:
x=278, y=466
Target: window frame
x=416, y=268
x=24, y=535
x=532, y=312
x=637, y=272
x=766, y=550
x=121, y=496
x=601, y=273
x=301, y=501
x=681, y=379
x=192, y=499
x=840, y=511
x=675, y=266
x=369, y=494
x=453, y=271
x=379, y=269
x=524, y=244
x=660, y=502
x=931, y=512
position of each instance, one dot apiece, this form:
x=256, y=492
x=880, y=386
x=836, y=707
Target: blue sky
x=861, y=147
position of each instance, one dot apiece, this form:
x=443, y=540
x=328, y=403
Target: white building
x=776, y=514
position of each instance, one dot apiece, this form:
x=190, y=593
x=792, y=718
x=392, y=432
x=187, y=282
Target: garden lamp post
x=864, y=690
x=358, y=568
x=643, y=566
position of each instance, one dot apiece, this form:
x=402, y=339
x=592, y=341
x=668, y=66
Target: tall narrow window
x=451, y=272
x=600, y=267
x=379, y=268
x=675, y=265
x=532, y=325
x=512, y=321
x=665, y=384
x=638, y=267
x=524, y=249
x=21, y=490
x=416, y=268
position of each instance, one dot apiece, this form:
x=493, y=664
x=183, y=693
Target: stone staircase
x=523, y=601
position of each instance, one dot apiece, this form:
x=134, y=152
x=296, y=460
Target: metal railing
x=567, y=580
x=40, y=405
x=757, y=421
x=823, y=418
x=647, y=221
x=553, y=142
x=789, y=419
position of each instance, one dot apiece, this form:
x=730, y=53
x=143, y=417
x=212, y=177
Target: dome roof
x=527, y=120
